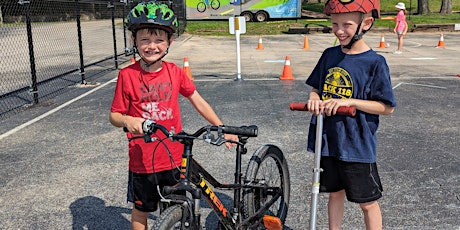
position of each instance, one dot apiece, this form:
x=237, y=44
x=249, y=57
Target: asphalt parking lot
x=63, y=166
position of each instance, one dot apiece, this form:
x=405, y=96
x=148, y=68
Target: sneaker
x=397, y=52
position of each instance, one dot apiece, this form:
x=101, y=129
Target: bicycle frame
x=193, y=173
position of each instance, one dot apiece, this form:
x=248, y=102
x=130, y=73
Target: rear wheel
x=201, y=7
x=172, y=217
x=267, y=168
x=261, y=16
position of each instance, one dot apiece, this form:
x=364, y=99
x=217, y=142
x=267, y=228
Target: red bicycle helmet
x=347, y=6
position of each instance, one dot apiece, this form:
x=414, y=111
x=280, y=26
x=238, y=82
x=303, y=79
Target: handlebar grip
x=147, y=127
x=247, y=131
x=298, y=106
x=346, y=110
x=342, y=110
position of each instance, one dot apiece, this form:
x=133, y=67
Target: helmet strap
x=147, y=64
x=358, y=35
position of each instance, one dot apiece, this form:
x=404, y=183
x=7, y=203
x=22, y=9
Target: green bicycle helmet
x=151, y=14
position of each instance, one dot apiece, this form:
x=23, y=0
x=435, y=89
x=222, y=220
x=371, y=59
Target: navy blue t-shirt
x=362, y=76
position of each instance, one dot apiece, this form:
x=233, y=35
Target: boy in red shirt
x=149, y=89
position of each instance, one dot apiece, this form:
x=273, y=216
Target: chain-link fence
x=50, y=45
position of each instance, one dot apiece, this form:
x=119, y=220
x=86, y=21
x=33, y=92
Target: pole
x=115, y=56
x=316, y=171
x=80, y=44
x=238, y=53
x=124, y=29
x=33, y=71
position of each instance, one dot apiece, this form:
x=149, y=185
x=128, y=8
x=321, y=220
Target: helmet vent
x=167, y=15
x=136, y=13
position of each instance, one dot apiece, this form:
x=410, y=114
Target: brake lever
x=209, y=137
x=218, y=141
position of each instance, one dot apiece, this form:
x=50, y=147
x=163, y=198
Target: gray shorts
x=360, y=181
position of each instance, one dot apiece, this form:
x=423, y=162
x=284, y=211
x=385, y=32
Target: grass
x=274, y=27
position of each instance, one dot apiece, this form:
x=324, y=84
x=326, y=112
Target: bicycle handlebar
x=342, y=110
x=149, y=127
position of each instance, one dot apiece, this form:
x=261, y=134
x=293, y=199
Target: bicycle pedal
x=272, y=223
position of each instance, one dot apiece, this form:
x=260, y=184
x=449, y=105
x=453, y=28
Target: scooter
x=298, y=106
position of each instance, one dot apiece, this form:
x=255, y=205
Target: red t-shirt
x=152, y=96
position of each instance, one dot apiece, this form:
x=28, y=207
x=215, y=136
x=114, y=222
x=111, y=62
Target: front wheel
x=215, y=4
x=174, y=217
x=267, y=168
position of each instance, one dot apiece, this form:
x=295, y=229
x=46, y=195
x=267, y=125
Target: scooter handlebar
x=342, y=110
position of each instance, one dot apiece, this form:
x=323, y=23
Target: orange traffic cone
x=382, y=42
x=306, y=46
x=260, y=46
x=287, y=71
x=187, y=69
x=441, y=42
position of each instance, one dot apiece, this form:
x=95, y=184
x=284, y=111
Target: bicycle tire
x=171, y=219
x=267, y=166
x=201, y=7
x=215, y=4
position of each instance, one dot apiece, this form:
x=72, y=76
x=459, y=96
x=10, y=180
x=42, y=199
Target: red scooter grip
x=342, y=110
x=298, y=106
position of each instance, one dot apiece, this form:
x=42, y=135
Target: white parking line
x=12, y=131
x=423, y=58
x=422, y=85
x=416, y=44
x=274, y=61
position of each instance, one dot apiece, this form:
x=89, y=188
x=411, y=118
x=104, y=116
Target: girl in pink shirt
x=401, y=25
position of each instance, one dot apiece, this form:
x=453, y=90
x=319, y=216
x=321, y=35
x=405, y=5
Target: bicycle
x=202, y=5
x=260, y=197
x=343, y=110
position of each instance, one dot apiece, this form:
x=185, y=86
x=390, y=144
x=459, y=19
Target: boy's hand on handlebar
x=230, y=137
x=134, y=124
x=315, y=106
x=330, y=106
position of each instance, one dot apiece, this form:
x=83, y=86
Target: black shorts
x=361, y=181
x=142, y=188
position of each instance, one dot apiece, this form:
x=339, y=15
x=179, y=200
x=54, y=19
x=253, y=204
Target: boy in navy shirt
x=350, y=74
